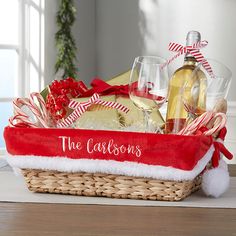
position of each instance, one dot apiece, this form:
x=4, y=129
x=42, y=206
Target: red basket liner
x=181, y=152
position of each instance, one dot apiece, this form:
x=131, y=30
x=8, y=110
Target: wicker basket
x=23, y=146
x=106, y=185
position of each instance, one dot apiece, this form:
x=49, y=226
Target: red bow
x=81, y=107
x=103, y=88
x=220, y=148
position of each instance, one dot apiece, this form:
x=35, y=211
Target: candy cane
x=197, y=123
x=40, y=112
x=21, y=121
x=203, y=120
x=220, y=122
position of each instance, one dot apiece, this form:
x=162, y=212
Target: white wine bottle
x=186, y=92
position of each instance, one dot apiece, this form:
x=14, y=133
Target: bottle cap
x=193, y=37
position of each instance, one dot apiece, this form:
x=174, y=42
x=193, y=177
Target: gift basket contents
x=114, y=140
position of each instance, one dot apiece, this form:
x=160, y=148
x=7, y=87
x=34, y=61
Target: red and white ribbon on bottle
x=81, y=107
x=194, y=50
x=22, y=118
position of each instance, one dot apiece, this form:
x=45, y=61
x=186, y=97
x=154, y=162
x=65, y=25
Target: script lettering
x=67, y=144
x=112, y=148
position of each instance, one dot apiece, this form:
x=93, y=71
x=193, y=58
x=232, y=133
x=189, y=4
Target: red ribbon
x=103, y=88
x=220, y=148
x=82, y=87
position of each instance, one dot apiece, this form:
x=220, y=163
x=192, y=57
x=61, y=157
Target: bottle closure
x=192, y=38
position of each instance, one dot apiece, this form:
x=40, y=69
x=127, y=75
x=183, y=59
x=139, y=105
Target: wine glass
x=148, y=85
x=205, y=90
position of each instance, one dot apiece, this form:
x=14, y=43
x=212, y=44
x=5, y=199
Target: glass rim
x=161, y=60
x=229, y=72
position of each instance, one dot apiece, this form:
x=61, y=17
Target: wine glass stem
x=146, y=115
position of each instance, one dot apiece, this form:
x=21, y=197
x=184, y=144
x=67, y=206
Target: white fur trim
x=109, y=167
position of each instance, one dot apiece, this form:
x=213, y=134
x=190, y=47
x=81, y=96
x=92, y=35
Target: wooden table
x=61, y=219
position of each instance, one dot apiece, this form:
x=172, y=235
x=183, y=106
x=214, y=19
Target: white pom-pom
x=215, y=181
x=223, y=164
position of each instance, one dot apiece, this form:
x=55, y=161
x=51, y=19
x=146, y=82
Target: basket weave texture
x=107, y=185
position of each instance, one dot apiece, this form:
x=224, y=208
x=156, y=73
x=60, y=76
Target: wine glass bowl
x=148, y=84
x=207, y=89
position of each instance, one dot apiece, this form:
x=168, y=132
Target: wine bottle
x=186, y=92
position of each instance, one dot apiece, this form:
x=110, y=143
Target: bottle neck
x=189, y=60
x=193, y=37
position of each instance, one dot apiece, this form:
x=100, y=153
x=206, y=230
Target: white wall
x=51, y=8
x=84, y=32
x=231, y=126
x=118, y=36
x=169, y=21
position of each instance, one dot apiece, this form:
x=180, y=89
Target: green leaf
x=44, y=93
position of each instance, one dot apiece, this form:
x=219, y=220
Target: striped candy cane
x=21, y=121
x=220, y=122
x=203, y=120
x=81, y=107
x=39, y=111
x=194, y=50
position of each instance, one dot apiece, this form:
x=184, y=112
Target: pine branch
x=65, y=43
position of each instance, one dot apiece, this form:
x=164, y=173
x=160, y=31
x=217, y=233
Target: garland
x=65, y=43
